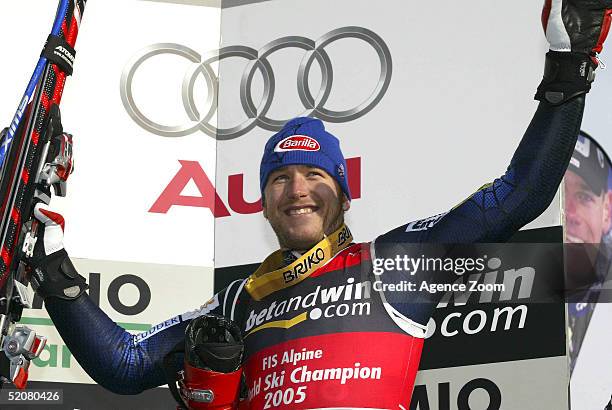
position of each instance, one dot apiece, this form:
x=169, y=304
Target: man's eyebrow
x=585, y=187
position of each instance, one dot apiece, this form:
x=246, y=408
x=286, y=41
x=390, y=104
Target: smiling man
x=302, y=200
x=587, y=221
x=587, y=200
x=302, y=204
x=316, y=333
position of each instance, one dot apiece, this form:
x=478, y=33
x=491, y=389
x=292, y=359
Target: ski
x=35, y=156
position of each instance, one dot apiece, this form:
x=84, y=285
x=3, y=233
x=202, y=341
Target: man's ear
x=263, y=204
x=346, y=204
x=607, y=209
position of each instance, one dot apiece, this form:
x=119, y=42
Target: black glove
x=215, y=343
x=576, y=31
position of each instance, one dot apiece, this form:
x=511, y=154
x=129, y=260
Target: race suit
x=367, y=339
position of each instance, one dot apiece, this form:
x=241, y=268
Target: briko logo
x=348, y=299
x=301, y=268
x=344, y=235
x=298, y=143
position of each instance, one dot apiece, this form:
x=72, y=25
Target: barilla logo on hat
x=297, y=143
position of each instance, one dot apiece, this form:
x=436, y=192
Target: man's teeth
x=300, y=211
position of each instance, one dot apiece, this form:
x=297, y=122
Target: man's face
x=587, y=215
x=302, y=204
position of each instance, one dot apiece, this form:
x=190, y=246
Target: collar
x=272, y=276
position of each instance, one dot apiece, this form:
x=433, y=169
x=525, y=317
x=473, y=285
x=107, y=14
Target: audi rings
x=257, y=113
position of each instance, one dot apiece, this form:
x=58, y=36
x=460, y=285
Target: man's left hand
x=580, y=26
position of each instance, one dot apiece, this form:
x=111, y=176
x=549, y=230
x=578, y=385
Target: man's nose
x=298, y=187
x=571, y=214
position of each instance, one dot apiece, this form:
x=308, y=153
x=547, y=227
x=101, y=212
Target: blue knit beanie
x=304, y=141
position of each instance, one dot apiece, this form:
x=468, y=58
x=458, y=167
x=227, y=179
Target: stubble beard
x=304, y=244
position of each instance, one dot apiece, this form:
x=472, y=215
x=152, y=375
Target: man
x=303, y=349
x=587, y=200
x=587, y=221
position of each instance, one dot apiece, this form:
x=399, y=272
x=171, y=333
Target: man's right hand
x=52, y=271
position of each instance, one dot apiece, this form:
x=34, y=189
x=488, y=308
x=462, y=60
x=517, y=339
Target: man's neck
x=301, y=251
x=290, y=256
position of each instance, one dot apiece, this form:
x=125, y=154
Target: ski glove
x=52, y=271
x=576, y=31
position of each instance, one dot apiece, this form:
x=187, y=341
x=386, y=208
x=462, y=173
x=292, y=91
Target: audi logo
x=257, y=113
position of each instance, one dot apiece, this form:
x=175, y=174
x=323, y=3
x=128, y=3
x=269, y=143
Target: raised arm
x=576, y=30
x=500, y=208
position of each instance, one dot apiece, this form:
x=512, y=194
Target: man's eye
x=280, y=178
x=584, y=197
x=314, y=173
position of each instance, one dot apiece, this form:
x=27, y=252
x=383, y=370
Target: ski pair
x=35, y=155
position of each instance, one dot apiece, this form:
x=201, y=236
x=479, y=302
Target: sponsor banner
x=142, y=298
x=516, y=298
